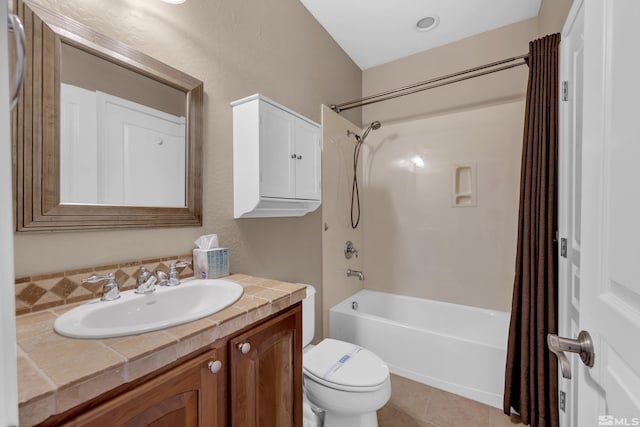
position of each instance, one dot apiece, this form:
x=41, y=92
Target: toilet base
x=368, y=419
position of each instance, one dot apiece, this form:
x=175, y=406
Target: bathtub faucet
x=355, y=273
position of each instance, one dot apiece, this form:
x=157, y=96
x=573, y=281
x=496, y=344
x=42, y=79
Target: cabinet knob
x=215, y=366
x=300, y=157
x=244, y=347
x=293, y=156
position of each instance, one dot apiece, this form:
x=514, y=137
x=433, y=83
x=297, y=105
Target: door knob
x=215, y=367
x=583, y=346
x=244, y=347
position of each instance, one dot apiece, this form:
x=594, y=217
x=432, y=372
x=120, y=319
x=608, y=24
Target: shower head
x=373, y=126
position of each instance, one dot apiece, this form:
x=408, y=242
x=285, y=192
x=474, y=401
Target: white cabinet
x=276, y=160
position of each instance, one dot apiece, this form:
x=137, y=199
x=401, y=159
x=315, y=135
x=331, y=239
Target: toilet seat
x=344, y=366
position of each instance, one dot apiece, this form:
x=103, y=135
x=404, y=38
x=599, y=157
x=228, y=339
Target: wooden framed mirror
x=143, y=175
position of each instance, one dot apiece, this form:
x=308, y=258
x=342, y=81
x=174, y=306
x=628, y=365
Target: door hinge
x=563, y=247
x=565, y=90
x=563, y=401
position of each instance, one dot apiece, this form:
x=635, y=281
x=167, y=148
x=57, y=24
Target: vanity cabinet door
x=266, y=373
x=188, y=395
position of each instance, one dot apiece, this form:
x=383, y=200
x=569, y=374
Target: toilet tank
x=308, y=316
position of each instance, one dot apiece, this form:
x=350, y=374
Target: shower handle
x=350, y=250
x=583, y=346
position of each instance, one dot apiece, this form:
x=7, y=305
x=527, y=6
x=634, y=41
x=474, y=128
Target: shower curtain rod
x=428, y=84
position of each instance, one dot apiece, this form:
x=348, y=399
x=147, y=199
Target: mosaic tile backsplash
x=44, y=291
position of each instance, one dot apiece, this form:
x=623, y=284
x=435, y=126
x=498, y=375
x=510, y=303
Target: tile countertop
x=56, y=373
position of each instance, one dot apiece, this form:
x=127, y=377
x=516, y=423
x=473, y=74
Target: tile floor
x=414, y=404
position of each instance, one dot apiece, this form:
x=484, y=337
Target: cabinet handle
x=300, y=157
x=215, y=366
x=244, y=347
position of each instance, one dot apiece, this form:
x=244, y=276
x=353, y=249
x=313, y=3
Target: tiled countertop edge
x=56, y=373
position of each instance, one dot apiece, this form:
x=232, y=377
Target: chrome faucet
x=146, y=282
x=110, y=290
x=355, y=273
x=163, y=278
x=174, y=275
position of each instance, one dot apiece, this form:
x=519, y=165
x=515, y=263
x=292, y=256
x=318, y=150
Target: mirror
x=104, y=136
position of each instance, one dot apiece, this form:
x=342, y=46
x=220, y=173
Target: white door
x=141, y=154
x=570, y=157
x=8, y=376
x=78, y=145
x=277, y=152
x=308, y=154
x=609, y=392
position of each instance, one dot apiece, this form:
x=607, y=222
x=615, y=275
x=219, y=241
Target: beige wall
x=552, y=15
x=237, y=48
x=337, y=175
x=505, y=42
x=82, y=69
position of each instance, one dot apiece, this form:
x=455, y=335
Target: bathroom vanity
x=240, y=366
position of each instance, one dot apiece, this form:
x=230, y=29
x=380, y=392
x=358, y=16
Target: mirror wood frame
x=36, y=131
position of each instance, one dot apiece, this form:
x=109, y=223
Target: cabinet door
x=277, y=152
x=266, y=382
x=309, y=153
x=186, y=396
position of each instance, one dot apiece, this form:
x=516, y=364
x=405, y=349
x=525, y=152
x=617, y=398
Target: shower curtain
x=531, y=377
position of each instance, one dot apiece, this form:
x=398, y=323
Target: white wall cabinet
x=276, y=160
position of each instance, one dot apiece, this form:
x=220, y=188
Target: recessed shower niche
x=464, y=183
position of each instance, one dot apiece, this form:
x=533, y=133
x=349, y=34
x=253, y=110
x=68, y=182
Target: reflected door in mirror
x=117, y=152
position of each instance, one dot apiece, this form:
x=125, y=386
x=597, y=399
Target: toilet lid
x=345, y=364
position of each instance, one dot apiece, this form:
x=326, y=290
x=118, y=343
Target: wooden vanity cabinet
x=259, y=384
x=189, y=395
x=265, y=383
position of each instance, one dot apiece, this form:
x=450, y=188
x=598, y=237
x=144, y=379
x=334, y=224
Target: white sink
x=137, y=313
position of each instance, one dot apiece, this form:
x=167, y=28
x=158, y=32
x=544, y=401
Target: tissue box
x=210, y=263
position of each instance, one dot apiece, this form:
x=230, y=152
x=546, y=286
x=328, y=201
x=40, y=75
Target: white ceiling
x=373, y=32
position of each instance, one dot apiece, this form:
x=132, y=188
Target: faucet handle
x=110, y=290
x=98, y=278
x=350, y=250
x=179, y=264
x=174, y=276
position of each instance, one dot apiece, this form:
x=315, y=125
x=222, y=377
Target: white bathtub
x=456, y=348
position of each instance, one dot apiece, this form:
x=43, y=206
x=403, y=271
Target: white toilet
x=345, y=381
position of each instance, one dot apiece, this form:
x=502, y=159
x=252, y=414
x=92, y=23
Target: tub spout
x=355, y=273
